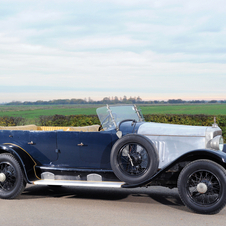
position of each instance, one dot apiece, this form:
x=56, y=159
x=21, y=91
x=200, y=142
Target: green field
x=34, y=111
x=191, y=109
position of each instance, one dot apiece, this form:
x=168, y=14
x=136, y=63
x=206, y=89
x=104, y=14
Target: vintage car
x=126, y=152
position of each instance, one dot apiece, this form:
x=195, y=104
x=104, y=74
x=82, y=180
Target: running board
x=100, y=184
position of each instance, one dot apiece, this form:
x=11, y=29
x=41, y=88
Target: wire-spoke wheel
x=201, y=186
x=134, y=159
x=204, y=187
x=11, y=177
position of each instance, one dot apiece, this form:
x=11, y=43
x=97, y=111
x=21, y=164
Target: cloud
x=100, y=47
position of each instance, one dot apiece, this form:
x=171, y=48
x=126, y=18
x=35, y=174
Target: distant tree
x=111, y=100
x=14, y=103
x=116, y=100
x=90, y=100
x=138, y=99
x=212, y=101
x=177, y=101
x=131, y=100
x=106, y=100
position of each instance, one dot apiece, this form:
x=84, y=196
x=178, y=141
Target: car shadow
x=34, y=192
x=165, y=196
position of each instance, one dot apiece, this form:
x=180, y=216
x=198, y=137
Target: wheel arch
x=25, y=161
x=203, y=154
x=215, y=156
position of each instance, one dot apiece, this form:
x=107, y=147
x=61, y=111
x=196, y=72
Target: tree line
x=112, y=100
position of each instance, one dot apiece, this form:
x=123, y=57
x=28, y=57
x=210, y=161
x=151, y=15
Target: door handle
x=31, y=143
x=81, y=144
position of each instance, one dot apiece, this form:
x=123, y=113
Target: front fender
x=27, y=163
x=216, y=156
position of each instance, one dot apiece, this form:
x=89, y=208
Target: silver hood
x=172, y=140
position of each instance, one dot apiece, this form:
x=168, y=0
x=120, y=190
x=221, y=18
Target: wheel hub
x=2, y=177
x=202, y=188
x=137, y=159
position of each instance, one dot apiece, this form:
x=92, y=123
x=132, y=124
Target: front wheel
x=201, y=186
x=12, y=181
x=134, y=159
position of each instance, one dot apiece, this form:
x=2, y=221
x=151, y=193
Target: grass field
x=32, y=112
x=208, y=109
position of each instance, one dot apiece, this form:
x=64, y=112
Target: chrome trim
x=94, y=177
x=81, y=144
x=138, y=113
x=2, y=177
x=79, y=183
x=159, y=135
x=217, y=143
x=112, y=117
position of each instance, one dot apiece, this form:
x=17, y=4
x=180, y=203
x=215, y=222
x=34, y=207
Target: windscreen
x=110, y=116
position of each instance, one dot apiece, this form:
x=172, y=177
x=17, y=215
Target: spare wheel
x=134, y=159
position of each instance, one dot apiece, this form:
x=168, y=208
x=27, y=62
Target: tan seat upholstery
x=53, y=128
x=27, y=127
x=93, y=128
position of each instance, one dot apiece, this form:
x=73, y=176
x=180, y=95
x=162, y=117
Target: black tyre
x=134, y=159
x=11, y=177
x=201, y=186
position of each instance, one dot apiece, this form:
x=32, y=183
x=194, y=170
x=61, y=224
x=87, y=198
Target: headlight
x=217, y=143
x=221, y=144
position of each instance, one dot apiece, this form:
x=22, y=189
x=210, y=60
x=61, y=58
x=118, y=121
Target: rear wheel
x=12, y=181
x=134, y=159
x=201, y=186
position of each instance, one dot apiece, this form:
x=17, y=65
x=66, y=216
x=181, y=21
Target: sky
x=154, y=49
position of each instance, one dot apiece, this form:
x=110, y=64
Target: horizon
x=89, y=99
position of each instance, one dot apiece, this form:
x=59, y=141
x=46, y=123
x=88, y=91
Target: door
x=95, y=149
x=43, y=145
x=87, y=150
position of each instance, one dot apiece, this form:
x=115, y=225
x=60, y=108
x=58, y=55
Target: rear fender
x=27, y=163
